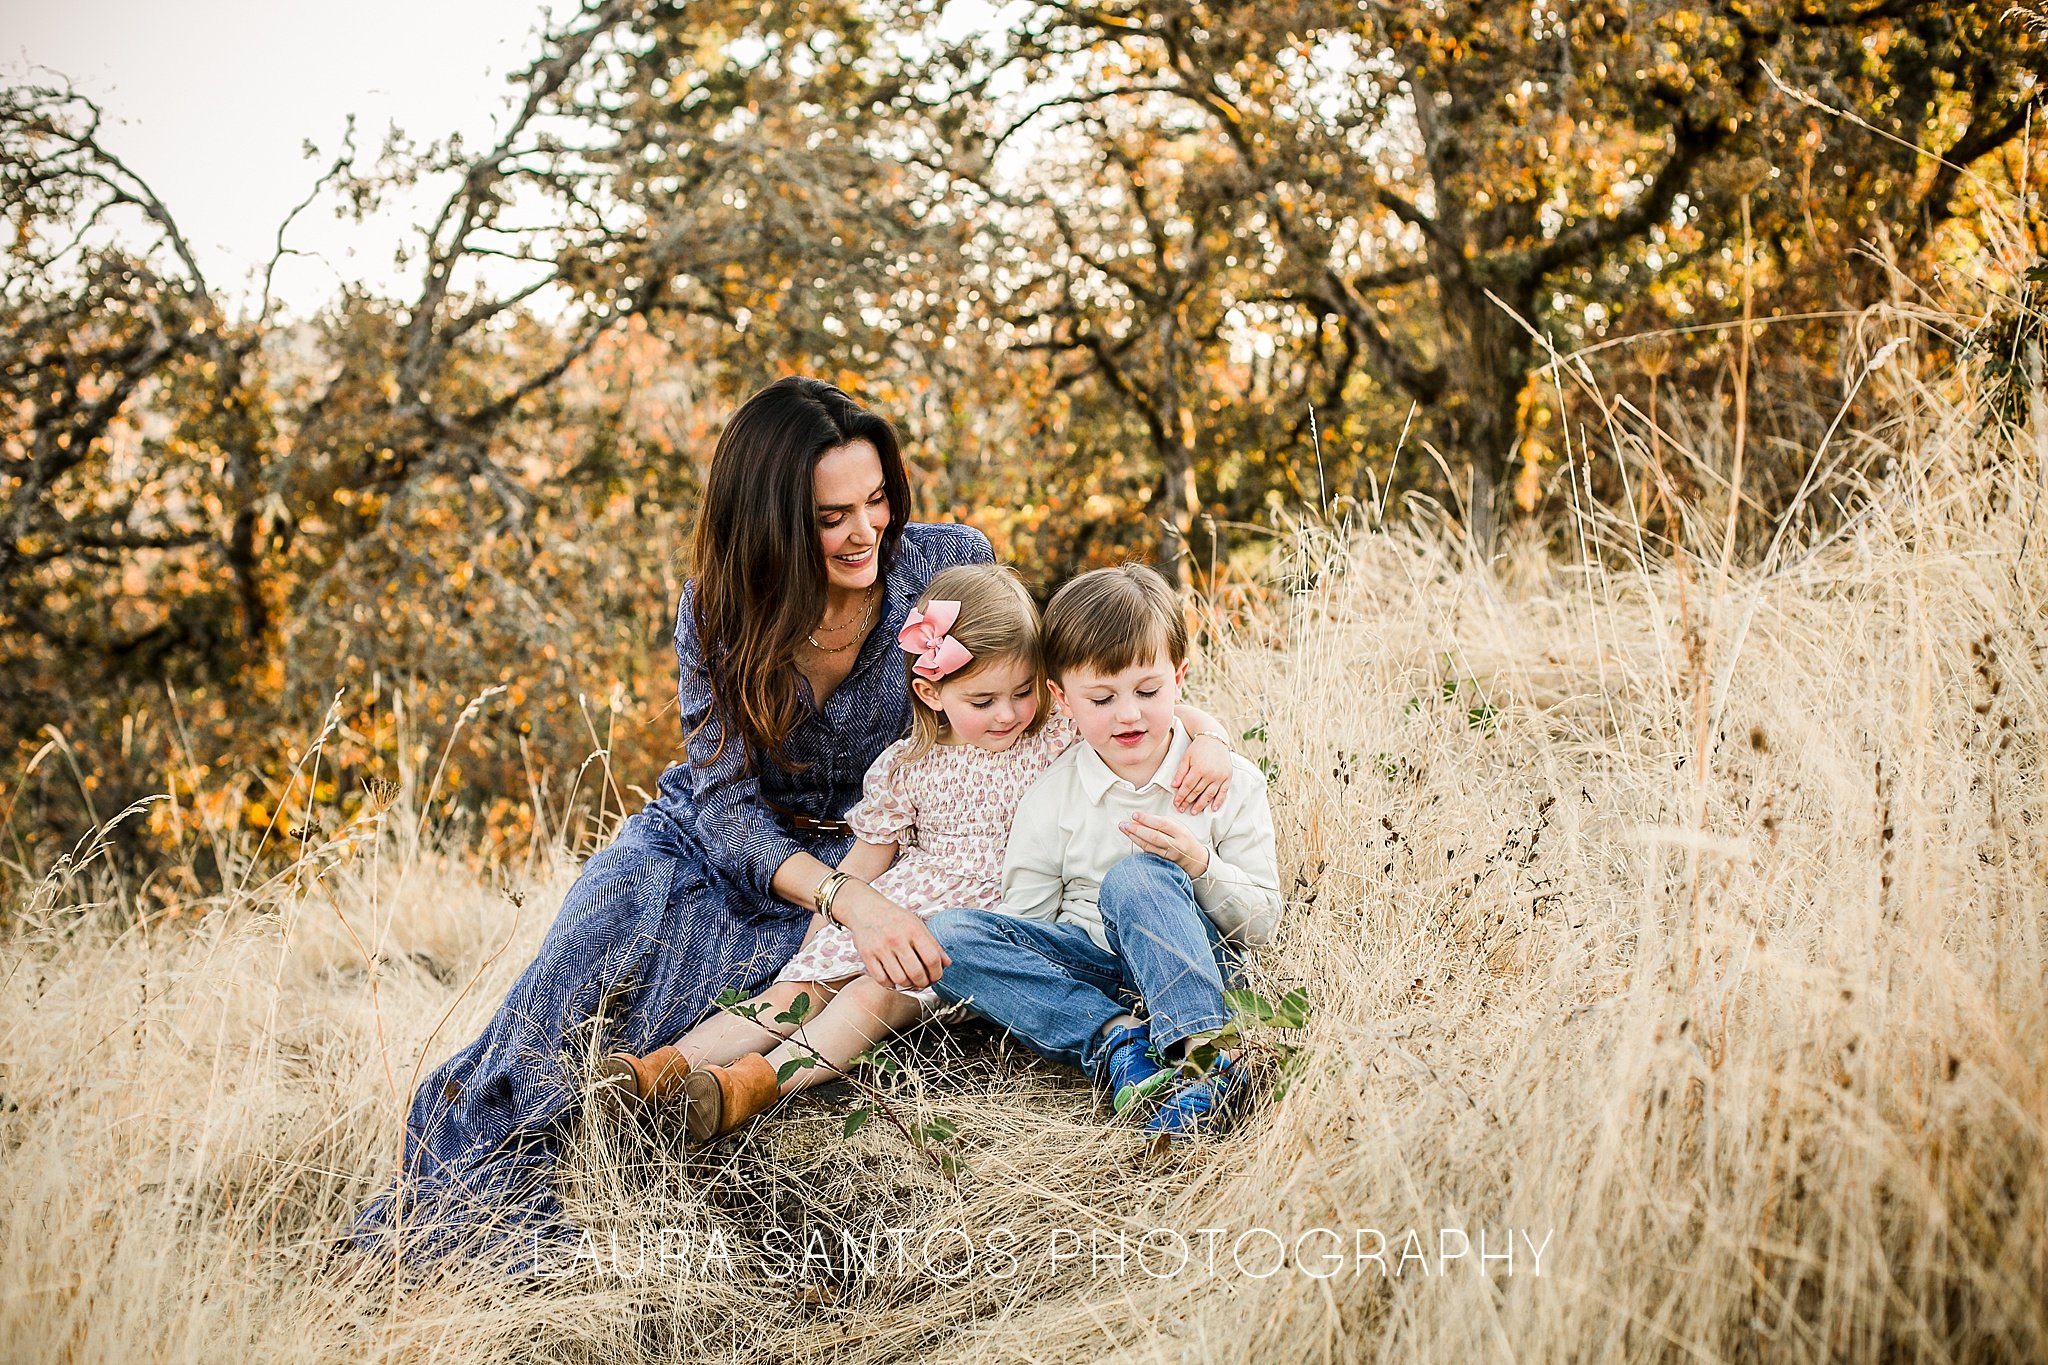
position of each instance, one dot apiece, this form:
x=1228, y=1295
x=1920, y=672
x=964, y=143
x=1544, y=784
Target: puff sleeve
x=887, y=810
x=1058, y=733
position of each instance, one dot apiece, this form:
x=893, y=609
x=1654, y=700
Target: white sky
x=211, y=101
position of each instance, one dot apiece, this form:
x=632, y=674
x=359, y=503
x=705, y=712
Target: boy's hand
x=1170, y=839
x=1204, y=777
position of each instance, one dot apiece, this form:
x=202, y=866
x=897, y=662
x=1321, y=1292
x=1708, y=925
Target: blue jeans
x=1054, y=988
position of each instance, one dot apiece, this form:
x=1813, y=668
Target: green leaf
x=1203, y=1049
x=799, y=1009
x=1257, y=732
x=1250, y=1004
x=1293, y=1065
x=1293, y=1010
x=855, y=1120
x=941, y=1129
x=791, y=1067
x=735, y=1002
x=880, y=1058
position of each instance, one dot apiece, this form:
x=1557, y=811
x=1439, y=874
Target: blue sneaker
x=1196, y=1109
x=1126, y=1068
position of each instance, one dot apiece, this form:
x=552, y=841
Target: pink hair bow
x=924, y=634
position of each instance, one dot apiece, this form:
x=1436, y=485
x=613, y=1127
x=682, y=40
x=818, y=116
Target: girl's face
x=852, y=510
x=988, y=707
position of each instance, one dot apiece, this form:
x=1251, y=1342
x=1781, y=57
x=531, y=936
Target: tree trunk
x=1174, y=504
x=1485, y=367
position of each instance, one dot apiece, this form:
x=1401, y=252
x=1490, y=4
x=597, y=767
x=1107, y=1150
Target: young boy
x=1106, y=892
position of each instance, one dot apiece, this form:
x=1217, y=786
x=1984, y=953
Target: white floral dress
x=948, y=811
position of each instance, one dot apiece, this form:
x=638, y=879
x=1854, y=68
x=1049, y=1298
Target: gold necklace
x=860, y=629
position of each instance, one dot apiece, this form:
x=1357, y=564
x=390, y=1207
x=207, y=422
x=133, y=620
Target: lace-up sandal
x=633, y=1082
x=718, y=1099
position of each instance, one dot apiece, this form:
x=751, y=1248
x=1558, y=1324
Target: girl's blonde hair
x=998, y=621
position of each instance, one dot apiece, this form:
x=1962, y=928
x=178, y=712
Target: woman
x=791, y=685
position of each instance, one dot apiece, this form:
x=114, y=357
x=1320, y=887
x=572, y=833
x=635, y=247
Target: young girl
x=930, y=828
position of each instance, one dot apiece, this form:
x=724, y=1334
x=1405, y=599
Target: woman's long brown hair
x=760, y=569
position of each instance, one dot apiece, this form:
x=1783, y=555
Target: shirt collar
x=1097, y=779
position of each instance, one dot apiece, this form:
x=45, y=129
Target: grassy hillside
x=1680, y=919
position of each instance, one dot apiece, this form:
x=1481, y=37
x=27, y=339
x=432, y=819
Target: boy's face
x=1127, y=716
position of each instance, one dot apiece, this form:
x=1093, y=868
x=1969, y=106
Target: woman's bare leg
x=861, y=1013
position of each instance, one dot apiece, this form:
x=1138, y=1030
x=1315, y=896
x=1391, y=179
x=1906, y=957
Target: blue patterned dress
x=677, y=909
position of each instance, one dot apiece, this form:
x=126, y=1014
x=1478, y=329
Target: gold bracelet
x=827, y=892
x=1213, y=733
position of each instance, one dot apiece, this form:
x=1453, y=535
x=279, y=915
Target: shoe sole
x=617, y=1087
x=703, y=1105
x=1131, y=1096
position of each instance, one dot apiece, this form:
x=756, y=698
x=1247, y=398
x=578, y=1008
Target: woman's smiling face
x=852, y=510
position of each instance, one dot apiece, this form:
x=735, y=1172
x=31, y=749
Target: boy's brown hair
x=1110, y=619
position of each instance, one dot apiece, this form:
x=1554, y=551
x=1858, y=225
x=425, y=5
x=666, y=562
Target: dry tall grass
x=1692, y=922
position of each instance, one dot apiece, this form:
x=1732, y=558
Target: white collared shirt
x=1066, y=839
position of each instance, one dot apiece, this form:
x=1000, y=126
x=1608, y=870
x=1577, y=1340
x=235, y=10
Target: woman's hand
x=1169, y=839
x=896, y=948
x=1204, y=776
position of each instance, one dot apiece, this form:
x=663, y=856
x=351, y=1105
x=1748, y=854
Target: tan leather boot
x=646, y=1081
x=721, y=1098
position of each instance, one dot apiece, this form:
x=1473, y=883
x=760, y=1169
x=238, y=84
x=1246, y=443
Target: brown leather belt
x=808, y=824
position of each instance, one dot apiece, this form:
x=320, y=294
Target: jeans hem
x=1091, y=1051
x=1163, y=1041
